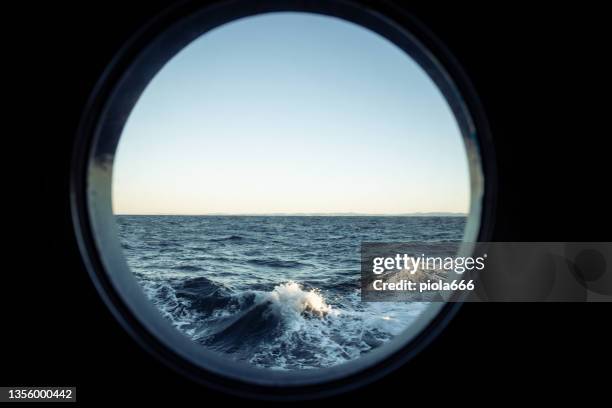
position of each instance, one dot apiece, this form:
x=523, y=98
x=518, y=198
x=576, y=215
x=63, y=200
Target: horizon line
x=313, y=214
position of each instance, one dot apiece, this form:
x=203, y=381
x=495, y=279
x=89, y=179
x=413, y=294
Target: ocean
x=279, y=292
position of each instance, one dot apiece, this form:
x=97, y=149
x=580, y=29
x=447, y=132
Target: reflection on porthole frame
x=97, y=235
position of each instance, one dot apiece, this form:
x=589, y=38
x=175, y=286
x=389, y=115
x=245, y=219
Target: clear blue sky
x=290, y=112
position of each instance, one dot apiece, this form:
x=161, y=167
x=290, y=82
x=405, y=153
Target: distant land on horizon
x=306, y=214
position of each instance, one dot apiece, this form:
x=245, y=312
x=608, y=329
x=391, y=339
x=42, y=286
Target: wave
x=288, y=327
x=271, y=319
x=228, y=238
x=188, y=268
x=276, y=263
x=203, y=295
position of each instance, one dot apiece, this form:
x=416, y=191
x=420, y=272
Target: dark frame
x=99, y=132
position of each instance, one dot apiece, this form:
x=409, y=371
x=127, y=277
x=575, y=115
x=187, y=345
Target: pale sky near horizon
x=290, y=113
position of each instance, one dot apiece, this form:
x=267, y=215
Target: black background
x=539, y=73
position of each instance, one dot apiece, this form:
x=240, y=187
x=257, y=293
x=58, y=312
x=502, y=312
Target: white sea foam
x=291, y=299
x=177, y=310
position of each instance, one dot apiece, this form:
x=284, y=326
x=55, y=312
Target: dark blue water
x=277, y=292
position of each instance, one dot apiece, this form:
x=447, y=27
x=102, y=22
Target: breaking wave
x=289, y=327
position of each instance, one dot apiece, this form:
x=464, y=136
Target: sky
x=290, y=113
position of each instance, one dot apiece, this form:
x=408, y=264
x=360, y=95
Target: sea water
x=279, y=292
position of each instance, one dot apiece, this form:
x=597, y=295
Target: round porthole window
x=230, y=165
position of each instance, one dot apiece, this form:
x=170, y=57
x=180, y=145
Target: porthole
x=231, y=161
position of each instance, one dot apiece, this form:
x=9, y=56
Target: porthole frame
x=91, y=176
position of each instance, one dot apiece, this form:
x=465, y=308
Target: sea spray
x=292, y=300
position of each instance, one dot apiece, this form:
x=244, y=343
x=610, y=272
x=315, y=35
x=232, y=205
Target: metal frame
x=96, y=230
